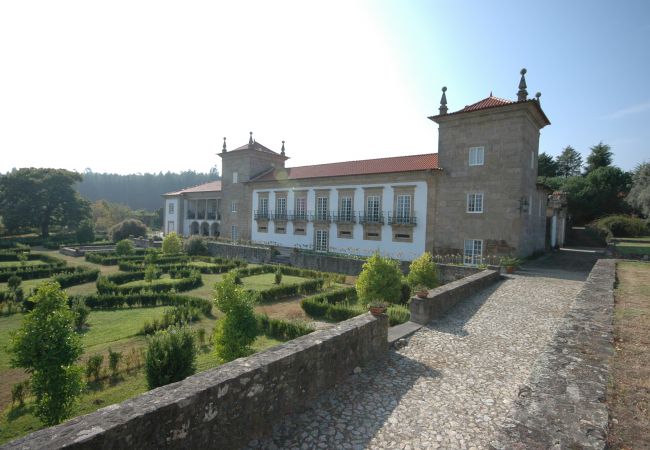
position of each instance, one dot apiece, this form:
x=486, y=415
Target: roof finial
x=282, y=151
x=250, y=138
x=223, y=149
x=491, y=94
x=443, y=102
x=537, y=96
x=522, y=94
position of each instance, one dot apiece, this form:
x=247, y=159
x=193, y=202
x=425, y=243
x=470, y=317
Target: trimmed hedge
x=30, y=273
x=112, y=258
x=130, y=266
x=281, y=329
x=336, y=305
x=79, y=276
x=288, y=290
x=111, y=284
x=621, y=226
x=398, y=314
x=292, y=271
x=144, y=299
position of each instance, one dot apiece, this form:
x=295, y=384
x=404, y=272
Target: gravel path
x=451, y=385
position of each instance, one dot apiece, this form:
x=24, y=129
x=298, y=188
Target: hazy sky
x=134, y=86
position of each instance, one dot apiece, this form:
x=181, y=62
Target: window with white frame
x=171, y=226
x=321, y=240
x=263, y=206
x=476, y=156
x=403, y=208
x=301, y=207
x=235, y=177
x=234, y=233
x=473, y=252
x=475, y=203
x=321, y=208
x=372, y=208
x=281, y=206
x=346, y=209
x=171, y=208
x=233, y=206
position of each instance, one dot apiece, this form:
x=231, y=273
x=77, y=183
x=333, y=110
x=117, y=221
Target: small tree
x=86, y=231
x=171, y=356
x=18, y=393
x=278, y=276
x=600, y=156
x=151, y=273
x=114, y=359
x=172, y=244
x=127, y=228
x=196, y=245
x=23, y=257
x=81, y=313
x=94, y=367
x=380, y=280
x=423, y=271
x=569, y=162
x=124, y=247
x=639, y=196
x=236, y=331
x=47, y=347
x=13, y=282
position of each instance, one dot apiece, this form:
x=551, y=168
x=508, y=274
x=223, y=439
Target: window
x=473, y=252
x=321, y=240
x=403, y=208
x=235, y=177
x=372, y=208
x=263, y=207
x=474, y=203
x=346, y=209
x=233, y=206
x=281, y=207
x=301, y=208
x=171, y=226
x=234, y=233
x=171, y=208
x=476, y=156
x=321, y=208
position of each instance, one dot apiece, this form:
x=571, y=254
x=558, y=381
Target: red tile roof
x=364, y=167
x=489, y=102
x=212, y=186
x=255, y=146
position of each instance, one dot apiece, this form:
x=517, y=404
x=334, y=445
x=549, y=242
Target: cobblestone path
x=451, y=385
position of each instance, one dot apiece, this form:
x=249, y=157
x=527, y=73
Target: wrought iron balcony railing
x=402, y=219
x=280, y=215
x=322, y=216
x=344, y=217
x=298, y=216
x=261, y=215
x=376, y=218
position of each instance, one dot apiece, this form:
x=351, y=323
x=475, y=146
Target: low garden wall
x=245, y=252
x=562, y=405
x=227, y=406
x=443, y=298
x=81, y=250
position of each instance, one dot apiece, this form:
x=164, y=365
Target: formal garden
x=138, y=315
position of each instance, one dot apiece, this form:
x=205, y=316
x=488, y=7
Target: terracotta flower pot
x=510, y=269
x=377, y=310
x=422, y=294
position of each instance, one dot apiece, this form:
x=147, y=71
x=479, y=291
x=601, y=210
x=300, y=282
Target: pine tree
x=569, y=162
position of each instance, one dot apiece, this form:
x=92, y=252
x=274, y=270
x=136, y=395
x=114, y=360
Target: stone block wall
x=443, y=298
x=245, y=252
x=562, y=405
x=227, y=406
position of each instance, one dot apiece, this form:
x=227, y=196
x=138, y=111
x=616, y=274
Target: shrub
x=236, y=331
x=423, y=271
x=281, y=329
x=114, y=359
x=200, y=336
x=80, y=275
x=18, y=393
x=124, y=247
x=151, y=273
x=94, y=367
x=622, y=226
x=181, y=314
x=195, y=246
x=171, y=356
x=127, y=228
x=172, y=244
x=86, y=231
x=398, y=314
x=13, y=282
x=81, y=313
x=380, y=280
x=337, y=305
x=278, y=276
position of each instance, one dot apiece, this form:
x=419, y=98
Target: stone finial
x=282, y=151
x=522, y=94
x=537, y=96
x=443, y=102
x=223, y=149
x=250, y=138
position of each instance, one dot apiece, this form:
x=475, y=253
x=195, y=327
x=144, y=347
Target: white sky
x=127, y=86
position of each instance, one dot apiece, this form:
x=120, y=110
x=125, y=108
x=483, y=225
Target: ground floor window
x=321, y=240
x=473, y=252
x=234, y=233
x=171, y=226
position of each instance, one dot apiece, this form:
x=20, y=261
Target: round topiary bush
x=127, y=228
x=196, y=246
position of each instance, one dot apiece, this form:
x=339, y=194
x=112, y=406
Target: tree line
x=596, y=187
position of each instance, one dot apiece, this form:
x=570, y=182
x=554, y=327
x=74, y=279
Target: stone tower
x=237, y=167
x=487, y=189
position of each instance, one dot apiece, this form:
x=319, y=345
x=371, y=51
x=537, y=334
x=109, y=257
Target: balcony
x=214, y=216
x=191, y=215
x=374, y=218
x=402, y=219
x=261, y=215
x=322, y=217
x=344, y=217
x=298, y=216
x=282, y=215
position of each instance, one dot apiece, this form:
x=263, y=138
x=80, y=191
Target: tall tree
x=546, y=165
x=639, y=196
x=600, y=156
x=40, y=198
x=569, y=162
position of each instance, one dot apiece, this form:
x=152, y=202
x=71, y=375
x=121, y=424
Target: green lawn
x=266, y=281
x=633, y=248
x=207, y=290
x=18, y=264
x=164, y=279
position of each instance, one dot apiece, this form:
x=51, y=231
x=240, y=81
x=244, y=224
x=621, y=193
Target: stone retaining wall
x=443, y=298
x=81, y=250
x=563, y=404
x=245, y=252
x=227, y=406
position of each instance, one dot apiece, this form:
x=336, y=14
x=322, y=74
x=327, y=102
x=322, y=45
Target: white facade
x=356, y=245
x=172, y=212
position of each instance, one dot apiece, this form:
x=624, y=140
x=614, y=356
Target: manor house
x=477, y=196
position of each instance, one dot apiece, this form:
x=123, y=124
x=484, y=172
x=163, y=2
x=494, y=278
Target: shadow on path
x=566, y=264
x=349, y=415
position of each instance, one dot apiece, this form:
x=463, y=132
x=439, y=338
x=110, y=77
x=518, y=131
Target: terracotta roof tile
x=255, y=146
x=489, y=102
x=212, y=186
x=364, y=167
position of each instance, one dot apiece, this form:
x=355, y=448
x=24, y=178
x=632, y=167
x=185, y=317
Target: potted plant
x=421, y=291
x=510, y=263
x=377, y=308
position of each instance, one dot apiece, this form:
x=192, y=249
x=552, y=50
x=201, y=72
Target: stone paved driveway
x=452, y=384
